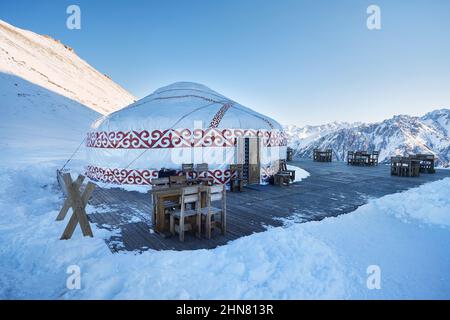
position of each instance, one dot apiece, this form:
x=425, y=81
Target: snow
x=51, y=65
x=405, y=234
x=36, y=124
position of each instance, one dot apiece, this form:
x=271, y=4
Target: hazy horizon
x=300, y=62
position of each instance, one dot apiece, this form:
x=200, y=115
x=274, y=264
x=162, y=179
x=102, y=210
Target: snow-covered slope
x=400, y=135
x=52, y=65
x=38, y=123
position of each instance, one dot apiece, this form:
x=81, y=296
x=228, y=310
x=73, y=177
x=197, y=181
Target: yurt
x=183, y=123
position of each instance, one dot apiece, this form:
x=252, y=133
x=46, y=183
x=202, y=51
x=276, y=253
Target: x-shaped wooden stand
x=77, y=202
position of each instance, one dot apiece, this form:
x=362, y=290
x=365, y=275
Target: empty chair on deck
x=202, y=170
x=283, y=168
x=188, y=172
x=373, y=160
x=215, y=216
x=177, y=181
x=179, y=218
x=236, y=177
x=350, y=157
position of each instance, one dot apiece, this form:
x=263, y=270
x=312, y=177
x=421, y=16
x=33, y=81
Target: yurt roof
x=185, y=105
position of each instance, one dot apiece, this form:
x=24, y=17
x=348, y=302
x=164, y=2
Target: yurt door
x=248, y=154
x=251, y=159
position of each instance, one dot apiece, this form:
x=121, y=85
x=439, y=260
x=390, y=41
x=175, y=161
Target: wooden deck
x=332, y=189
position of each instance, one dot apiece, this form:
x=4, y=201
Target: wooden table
x=322, y=156
x=361, y=158
x=405, y=167
x=170, y=194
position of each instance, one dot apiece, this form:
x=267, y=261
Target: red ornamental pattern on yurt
x=180, y=138
x=144, y=176
x=219, y=115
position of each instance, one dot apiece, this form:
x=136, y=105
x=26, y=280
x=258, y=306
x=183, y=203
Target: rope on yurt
x=132, y=106
x=181, y=118
x=254, y=115
x=73, y=154
x=197, y=90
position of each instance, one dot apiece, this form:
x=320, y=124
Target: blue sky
x=301, y=62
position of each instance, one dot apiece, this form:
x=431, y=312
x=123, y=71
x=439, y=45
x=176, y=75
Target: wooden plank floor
x=332, y=189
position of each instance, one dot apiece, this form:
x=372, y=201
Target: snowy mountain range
x=400, y=135
x=48, y=95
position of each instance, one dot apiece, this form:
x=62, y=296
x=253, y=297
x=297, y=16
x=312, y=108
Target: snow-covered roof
x=185, y=105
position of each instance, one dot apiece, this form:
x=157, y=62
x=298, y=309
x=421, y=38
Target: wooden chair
x=202, y=170
x=281, y=178
x=236, y=177
x=373, y=160
x=282, y=168
x=329, y=155
x=214, y=216
x=189, y=195
x=426, y=162
x=315, y=155
x=350, y=157
x=289, y=154
x=404, y=167
x=188, y=172
x=414, y=168
x=158, y=184
x=177, y=180
x=395, y=166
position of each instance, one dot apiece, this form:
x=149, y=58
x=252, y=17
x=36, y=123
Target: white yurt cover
x=181, y=123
